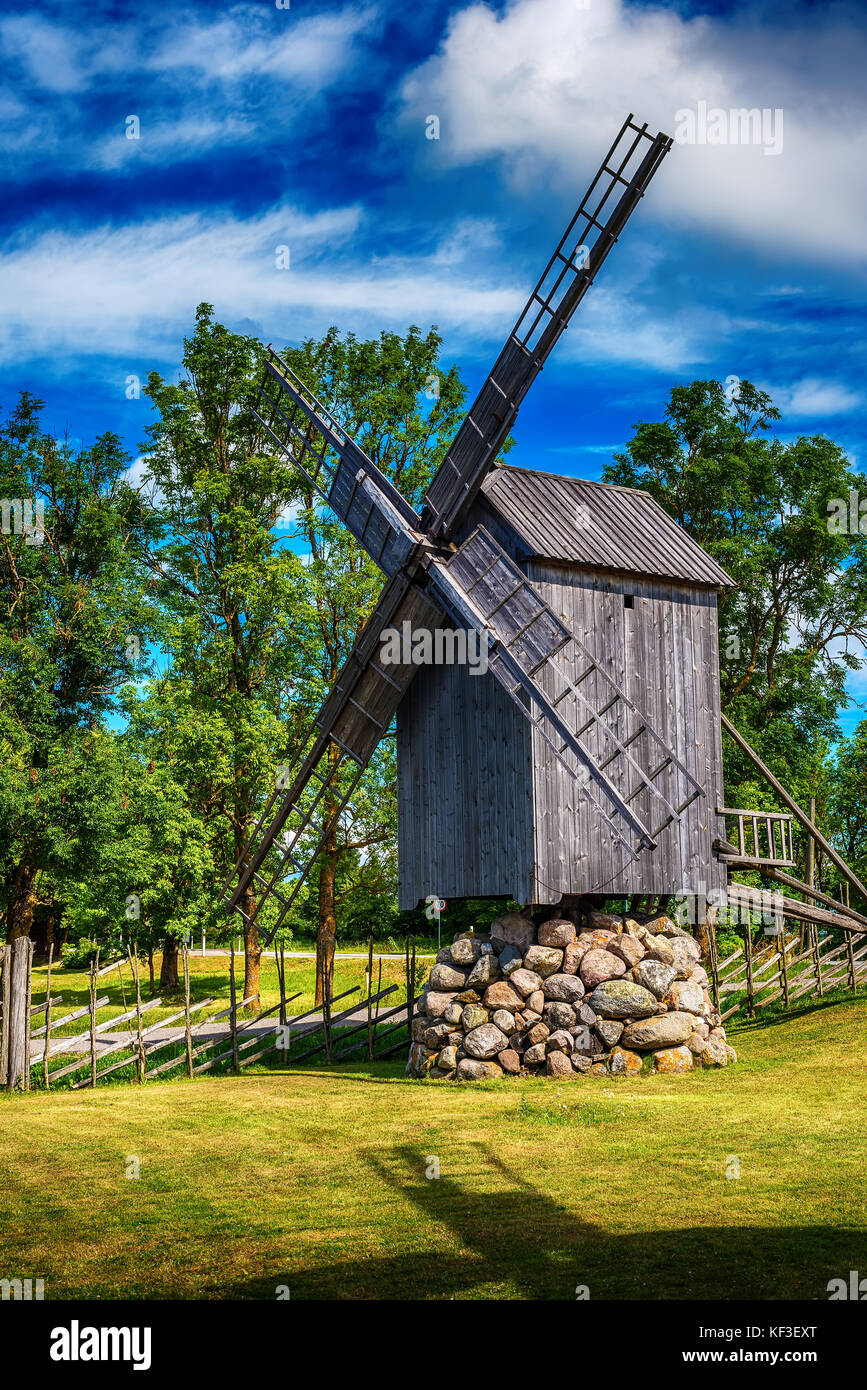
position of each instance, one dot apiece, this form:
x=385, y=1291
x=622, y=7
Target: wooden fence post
x=140, y=1057
x=6, y=984
x=233, y=1020
x=188, y=1037
x=94, y=965
x=370, y=998
x=47, y=1020
x=748, y=945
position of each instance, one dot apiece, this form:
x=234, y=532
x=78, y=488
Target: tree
x=793, y=629
x=231, y=594
x=392, y=396
x=74, y=617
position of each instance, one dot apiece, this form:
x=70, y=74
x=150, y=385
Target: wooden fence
x=295, y=1038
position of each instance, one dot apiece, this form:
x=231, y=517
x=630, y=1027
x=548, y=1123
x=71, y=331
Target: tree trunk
x=151, y=969
x=23, y=902
x=252, y=952
x=169, y=967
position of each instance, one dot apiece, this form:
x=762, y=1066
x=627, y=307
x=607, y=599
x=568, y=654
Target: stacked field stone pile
x=607, y=998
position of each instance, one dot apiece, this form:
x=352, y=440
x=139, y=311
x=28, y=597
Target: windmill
x=627, y=782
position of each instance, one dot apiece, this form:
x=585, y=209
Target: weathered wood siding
x=465, y=789
x=484, y=807
x=663, y=652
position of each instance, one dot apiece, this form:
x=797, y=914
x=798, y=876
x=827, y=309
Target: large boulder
x=514, y=930
x=525, y=982
x=573, y=955
x=622, y=999
x=672, y=1059
x=465, y=951
x=447, y=977
x=684, y=994
x=599, y=965
x=624, y=1063
x=510, y=1061
x=557, y=1014
x=473, y=1016
x=558, y=1064
x=471, y=1070
x=596, y=940
x=545, y=960
x=714, y=1053
x=502, y=996
x=665, y=1030
x=655, y=976
x=485, y=1041
x=628, y=948
x=557, y=932
x=659, y=949
x=563, y=989
x=609, y=1030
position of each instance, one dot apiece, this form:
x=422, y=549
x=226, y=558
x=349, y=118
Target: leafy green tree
x=74, y=618
x=794, y=628
x=391, y=394
x=231, y=595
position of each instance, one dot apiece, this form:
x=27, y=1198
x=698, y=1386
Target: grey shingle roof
x=597, y=526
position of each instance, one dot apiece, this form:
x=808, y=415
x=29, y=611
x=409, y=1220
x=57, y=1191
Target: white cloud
x=276, y=44
x=129, y=292
x=815, y=397
x=544, y=85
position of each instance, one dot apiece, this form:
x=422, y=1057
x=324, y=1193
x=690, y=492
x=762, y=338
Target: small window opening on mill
x=628, y=601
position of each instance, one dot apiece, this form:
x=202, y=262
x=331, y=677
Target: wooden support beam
x=795, y=883
x=751, y=898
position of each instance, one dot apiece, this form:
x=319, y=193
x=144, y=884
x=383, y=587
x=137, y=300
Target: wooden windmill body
x=485, y=806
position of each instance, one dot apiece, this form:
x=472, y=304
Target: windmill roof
x=598, y=526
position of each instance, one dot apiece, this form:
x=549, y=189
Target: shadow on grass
x=517, y=1242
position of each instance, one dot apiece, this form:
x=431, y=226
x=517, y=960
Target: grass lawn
x=316, y=1180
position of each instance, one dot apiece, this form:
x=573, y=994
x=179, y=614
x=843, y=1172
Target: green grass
x=317, y=1180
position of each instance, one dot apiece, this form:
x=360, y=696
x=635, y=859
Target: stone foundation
x=606, y=998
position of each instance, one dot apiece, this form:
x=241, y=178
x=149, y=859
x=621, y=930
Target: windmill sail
x=604, y=211
x=347, y=731
x=371, y=507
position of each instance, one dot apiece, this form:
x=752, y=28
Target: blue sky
x=306, y=127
